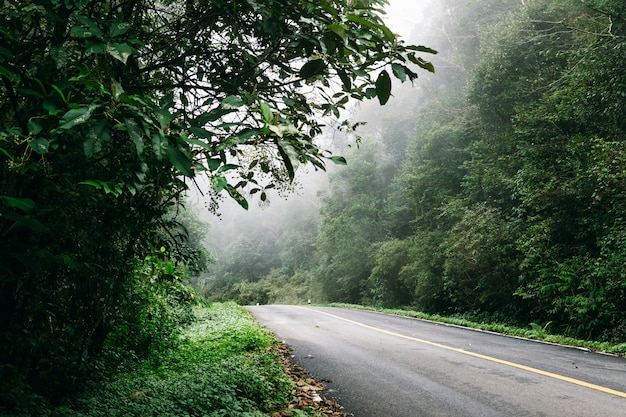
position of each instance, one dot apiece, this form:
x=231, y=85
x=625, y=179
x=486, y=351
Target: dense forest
x=110, y=113
x=495, y=188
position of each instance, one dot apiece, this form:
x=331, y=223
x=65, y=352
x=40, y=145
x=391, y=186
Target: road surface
x=382, y=365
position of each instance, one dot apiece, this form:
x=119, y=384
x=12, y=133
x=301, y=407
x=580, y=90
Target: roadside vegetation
x=222, y=363
x=490, y=323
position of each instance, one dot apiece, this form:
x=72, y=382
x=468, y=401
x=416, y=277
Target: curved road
x=384, y=365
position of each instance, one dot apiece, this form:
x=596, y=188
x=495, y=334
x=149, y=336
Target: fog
x=412, y=21
x=493, y=187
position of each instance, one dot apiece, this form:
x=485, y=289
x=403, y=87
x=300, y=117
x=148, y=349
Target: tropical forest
x=164, y=163
x=493, y=187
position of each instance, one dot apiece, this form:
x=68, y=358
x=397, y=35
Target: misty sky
x=402, y=15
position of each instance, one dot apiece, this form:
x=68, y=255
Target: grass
x=226, y=365
x=535, y=331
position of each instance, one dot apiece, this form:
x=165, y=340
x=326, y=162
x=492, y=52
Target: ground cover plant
x=225, y=364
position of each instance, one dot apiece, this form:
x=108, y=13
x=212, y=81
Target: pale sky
x=402, y=15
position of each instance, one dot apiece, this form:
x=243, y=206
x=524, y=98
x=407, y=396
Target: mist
x=263, y=228
x=492, y=188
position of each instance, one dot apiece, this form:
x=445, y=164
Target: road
x=384, y=365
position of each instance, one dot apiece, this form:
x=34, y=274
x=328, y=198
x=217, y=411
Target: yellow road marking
x=478, y=355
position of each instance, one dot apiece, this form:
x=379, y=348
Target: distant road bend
x=385, y=365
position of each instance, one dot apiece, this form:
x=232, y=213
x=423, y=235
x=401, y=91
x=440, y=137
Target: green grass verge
x=535, y=331
x=226, y=365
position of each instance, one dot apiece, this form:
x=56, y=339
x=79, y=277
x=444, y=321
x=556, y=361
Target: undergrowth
x=534, y=331
x=224, y=365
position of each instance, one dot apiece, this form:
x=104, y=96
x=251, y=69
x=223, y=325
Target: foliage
x=223, y=364
x=480, y=267
x=109, y=111
x=499, y=191
x=258, y=258
x=351, y=226
x=384, y=283
x=499, y=324
x=152, y=313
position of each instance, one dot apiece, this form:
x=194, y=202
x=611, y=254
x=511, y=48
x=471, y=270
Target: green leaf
x=421, y=48
x=59, y=55
x=362, y=21
x=6, y=154
x=383, y=87
x=267, y=113
x=26, y=222
x=339, y=160
x=180, y=160
x=51, y=108
x=236, y=195
x=25, y=204
x=120, y=51
x=76, y=116
x=34, y=127
x=312, y=68
x=84, y=32
x=399, y=71
x=388, y=33
x=114, y=189
x=345, y=79
x=159, y=145
x=59, y=92
x=338, y=29
x=212, y=115
x=117, y=88
x=214, y=163
x=285, y=150
x=5, y=72
x=421, y=62
x=118, y=28
x=244, y=135
x=98, y=133
x=136, y=134
x=199, y=143
x=94, y=184
x=39, y=145
x=88, y=28
x=131, y=189
x=428, y=66
x=94, y=46
x=218, y=183
x=232, y=102
x=201, y=133
x=227, y=167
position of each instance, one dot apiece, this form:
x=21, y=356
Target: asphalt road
x=383, y=365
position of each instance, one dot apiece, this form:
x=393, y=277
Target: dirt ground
x=309, y=391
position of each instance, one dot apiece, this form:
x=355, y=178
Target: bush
x=224, y=364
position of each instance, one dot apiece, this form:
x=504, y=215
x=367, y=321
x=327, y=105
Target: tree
x=385, y=285
x=108, y=111
x=572, y=143
x=549, y=94
x=351, y=225
x=481, y=266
